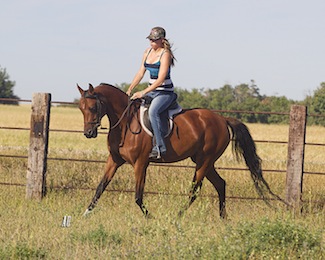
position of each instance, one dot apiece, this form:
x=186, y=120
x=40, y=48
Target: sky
x=51, y=45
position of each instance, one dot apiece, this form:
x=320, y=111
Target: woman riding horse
x=199, y=134
x=157, y=60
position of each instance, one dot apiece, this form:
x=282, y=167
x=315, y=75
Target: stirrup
x=154, y=154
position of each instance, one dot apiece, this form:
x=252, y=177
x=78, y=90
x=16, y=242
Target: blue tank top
x=154, y=71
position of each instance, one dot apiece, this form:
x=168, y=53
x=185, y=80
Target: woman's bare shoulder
x=146, y=51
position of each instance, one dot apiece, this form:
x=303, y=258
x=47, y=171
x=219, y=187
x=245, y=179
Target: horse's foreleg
x=110, y=170
x=140, y=178
x=99, y=191
x=220, y=185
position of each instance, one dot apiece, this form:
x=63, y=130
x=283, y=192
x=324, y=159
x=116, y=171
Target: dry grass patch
x=117, y=229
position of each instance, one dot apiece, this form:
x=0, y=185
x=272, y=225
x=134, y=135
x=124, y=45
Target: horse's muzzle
x=91, y=133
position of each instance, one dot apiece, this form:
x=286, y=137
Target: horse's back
x=201, y=118
x=202, y=129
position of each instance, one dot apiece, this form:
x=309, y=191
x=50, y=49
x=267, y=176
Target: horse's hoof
x=149, y=216
x=223, y=215
x=181, y=213
x=86, y=212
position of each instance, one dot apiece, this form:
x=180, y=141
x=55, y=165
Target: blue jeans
x=161, y=101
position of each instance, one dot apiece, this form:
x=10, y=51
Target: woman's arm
x=138, y=77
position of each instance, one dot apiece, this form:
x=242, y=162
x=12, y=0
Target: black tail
x=244, y=146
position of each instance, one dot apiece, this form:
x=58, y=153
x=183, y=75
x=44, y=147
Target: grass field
x=117, y=230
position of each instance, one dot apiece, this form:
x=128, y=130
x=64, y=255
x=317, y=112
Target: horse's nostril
x=88, y=133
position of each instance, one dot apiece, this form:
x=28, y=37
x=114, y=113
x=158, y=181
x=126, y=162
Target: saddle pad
x=167, y=125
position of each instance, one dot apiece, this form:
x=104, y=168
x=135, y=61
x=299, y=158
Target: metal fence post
x=38, y=147
x=296, y=152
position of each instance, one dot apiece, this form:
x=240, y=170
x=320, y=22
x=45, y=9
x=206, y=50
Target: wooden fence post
x=296, y=152
x=38, y=147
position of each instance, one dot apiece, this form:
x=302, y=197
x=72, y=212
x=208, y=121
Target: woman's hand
x=136, y=95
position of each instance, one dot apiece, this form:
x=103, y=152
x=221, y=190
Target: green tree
x=245, y=98
x=317, y=104
x=125, y=86
x=244, y=91
x=220, y=98
x=6, y=88
x=277, y=105
x=191, y=99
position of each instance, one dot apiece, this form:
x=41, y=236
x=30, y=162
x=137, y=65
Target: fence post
x=296, y=152
x=38, y=147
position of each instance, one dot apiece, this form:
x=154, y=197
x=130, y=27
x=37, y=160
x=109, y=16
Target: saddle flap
x=167, y=124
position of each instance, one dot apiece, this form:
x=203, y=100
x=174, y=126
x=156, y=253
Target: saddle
x=166, y=117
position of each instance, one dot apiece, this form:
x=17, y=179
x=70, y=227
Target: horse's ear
x=80, y=90
x=91, y=89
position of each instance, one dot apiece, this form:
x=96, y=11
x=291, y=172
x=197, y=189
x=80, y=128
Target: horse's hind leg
x=194, y=192
x=220, y=186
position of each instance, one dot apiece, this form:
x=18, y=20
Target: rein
x=98, y=113
x=126, y=110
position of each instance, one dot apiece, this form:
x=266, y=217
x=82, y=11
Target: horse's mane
x=106, y=84
x=111, y=86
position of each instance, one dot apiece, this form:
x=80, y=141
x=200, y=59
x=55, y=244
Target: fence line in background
x=39, y=137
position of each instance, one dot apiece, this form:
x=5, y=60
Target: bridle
x=97, y=123
x=98, y=108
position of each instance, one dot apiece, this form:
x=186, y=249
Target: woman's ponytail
x=168, y=47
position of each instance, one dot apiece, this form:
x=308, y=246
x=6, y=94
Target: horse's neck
x=112, y=113
x=116, y=103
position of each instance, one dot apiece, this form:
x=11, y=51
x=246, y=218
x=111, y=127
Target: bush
x=270, y=239
x=22, y=251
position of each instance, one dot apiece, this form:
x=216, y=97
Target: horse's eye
x=92, y=109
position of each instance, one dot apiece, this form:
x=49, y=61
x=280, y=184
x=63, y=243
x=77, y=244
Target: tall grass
x=117, y=229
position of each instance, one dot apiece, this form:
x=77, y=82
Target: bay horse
x=199, y=134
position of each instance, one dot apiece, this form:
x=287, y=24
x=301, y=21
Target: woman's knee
x=153, y=113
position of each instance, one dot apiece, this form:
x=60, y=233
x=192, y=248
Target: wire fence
x=78, y=160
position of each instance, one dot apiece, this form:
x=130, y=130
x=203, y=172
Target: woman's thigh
x=160, y=103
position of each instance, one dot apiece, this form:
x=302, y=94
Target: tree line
x=247, y=97
x=242, y=97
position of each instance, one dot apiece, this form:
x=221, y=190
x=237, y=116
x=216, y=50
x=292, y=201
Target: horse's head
x=91, y=108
